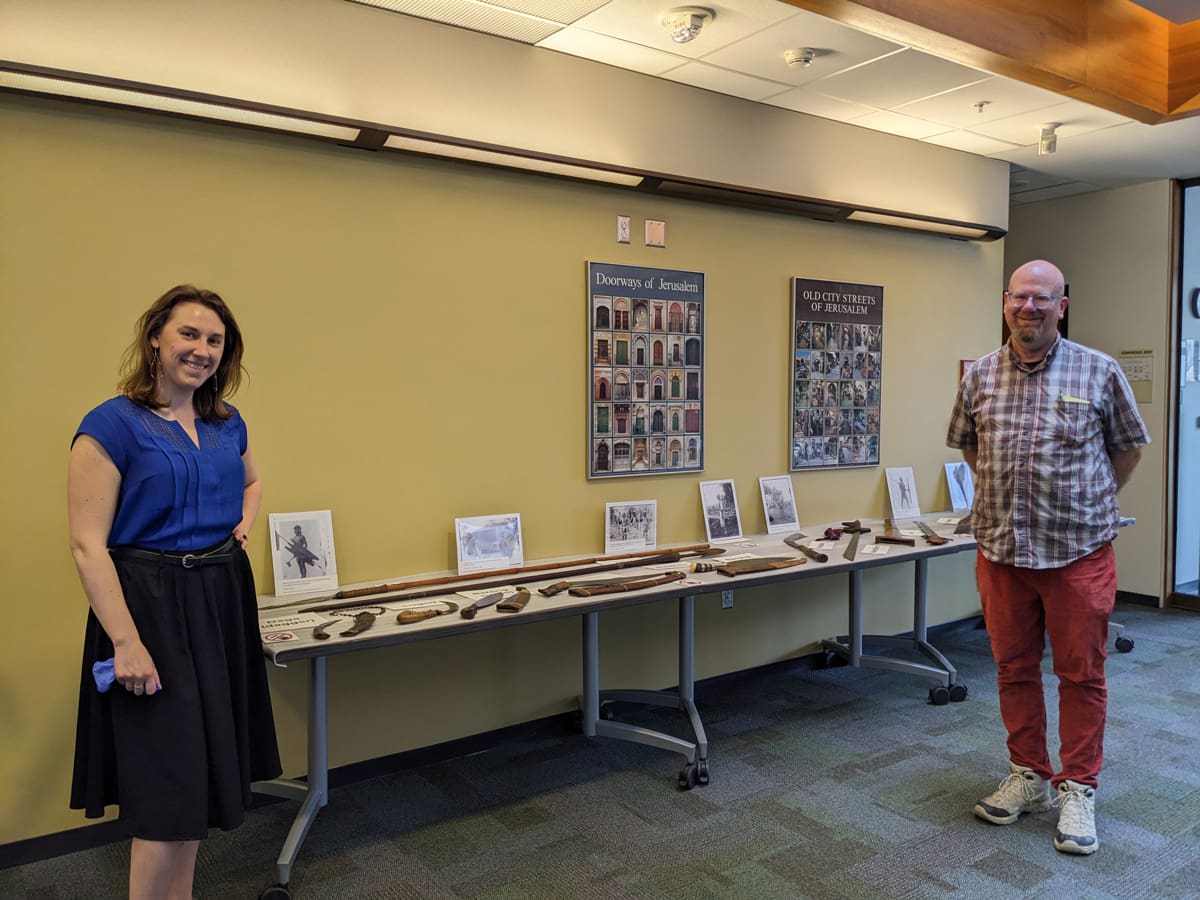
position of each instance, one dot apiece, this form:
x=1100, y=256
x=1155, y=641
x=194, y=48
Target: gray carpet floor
x=825, y=783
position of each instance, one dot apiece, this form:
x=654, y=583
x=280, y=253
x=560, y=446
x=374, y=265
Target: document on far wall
x=1138, y=366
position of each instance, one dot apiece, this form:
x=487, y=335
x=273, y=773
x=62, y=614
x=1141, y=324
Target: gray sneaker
x=1021, y=791
x=1076, y=819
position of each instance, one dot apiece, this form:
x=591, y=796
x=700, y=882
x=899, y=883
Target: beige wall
x=369, y=65
x=417, y=351
x=1115, y=249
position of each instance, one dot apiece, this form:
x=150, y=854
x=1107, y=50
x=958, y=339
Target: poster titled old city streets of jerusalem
x=646, y=364
x=837, y=355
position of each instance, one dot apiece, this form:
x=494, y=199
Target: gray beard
x=1028, y=333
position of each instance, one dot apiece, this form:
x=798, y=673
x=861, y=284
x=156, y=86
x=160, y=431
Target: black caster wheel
x=702, y=772
x=831, y=660
x=275, y=892
x=606, y=712
x=688, y=777
x=958, y=693
x=939, y=696
x=1124, y=644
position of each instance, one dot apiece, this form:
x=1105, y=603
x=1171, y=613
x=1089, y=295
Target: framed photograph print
x=629, y=527
x=961, y=484
x=645, y=378
x=902, y=491
x=836, y=350
x=779, y=504
x=486, y=543
x=718, y=500
x=302, y=555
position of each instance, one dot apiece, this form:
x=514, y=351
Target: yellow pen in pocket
x=1067, y=398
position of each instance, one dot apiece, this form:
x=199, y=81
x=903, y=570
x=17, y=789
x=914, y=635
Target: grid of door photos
x=646, y=368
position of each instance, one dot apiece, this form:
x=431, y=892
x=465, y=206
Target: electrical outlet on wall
x=726, y=599
x=622, y=229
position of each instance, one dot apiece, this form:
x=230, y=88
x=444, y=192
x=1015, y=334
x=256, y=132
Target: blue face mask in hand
x=104, y=675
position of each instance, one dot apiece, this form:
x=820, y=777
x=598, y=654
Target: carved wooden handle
x=515, y=603
x=409, y=616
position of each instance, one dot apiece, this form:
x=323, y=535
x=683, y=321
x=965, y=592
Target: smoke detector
x=800, y=57
x=683, y=23
x=1048, y=140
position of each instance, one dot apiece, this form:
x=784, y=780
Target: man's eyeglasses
x=1017, y=299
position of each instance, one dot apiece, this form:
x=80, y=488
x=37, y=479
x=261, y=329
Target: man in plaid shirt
x=1052, y=432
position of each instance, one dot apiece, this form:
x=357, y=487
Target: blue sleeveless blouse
x=174, y=495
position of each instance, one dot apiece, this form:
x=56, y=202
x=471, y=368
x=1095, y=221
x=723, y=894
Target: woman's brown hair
x=140, y=363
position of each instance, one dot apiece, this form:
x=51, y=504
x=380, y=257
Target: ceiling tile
x=838, y=47
x=639, y=21
x=900, y=78
x=474, y=17
x=1076, y=118
x=564, y=11
x=1058, y=190
x=590, y=45
x=1021, y=178
x=894, y=123
x=723, y=81
x=806, y=100
x=1001, y=98
x=970, y=142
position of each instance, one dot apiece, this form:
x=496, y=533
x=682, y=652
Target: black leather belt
x=222, y=553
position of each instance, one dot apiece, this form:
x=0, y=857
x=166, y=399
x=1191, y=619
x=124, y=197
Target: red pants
x=1071, y=604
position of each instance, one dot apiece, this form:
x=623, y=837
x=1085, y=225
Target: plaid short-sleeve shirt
x=1046, y=493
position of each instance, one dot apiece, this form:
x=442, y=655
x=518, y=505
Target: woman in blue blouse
x=162, y=491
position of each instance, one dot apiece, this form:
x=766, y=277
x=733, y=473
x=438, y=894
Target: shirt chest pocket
x=1075, y=421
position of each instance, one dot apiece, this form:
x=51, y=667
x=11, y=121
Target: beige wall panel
x=1115, y=249
x=367, y=64
x=416, y=340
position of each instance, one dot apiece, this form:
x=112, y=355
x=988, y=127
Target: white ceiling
x=855, y=78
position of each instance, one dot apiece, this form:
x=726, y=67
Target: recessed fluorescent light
x=510, y=160
x=965, y=231
x=144, y=100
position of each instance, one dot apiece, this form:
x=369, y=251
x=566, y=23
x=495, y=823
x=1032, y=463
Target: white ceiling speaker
x=683, y=23
x=1048, y=140
x=799, y=57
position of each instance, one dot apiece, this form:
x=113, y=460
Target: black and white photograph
x=486, y=543
x=630, y=526
x=779, y=503
x=718, y=500
x=961, y=484
x=302, y=552
x=902, y=492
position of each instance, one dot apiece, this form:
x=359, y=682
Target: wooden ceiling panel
x=1110, y=53
x=1183, y=89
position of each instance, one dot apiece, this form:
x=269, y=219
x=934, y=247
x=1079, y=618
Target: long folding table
x=313, y=792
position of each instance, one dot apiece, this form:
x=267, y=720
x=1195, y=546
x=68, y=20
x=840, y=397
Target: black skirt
x=181, y=761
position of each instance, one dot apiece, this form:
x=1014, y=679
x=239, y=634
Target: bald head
x=1034, y=304
x=1041, y=271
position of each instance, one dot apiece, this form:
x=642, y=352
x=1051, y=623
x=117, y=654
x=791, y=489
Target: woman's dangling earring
x=154, y=366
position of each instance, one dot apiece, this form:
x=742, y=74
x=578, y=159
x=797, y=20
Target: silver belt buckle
x=189, y=560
